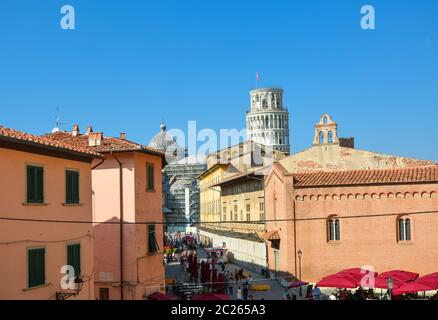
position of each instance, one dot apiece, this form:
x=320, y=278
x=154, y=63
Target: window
x=235, y=212
x=325, y=120
x=321, y=137
x=401, y=230
x=334, y=227
x=152, y=240
x=72, y=187
x=404, y=229
x=330, y=137
x=262, y=211
x=74, y=258
x=150, y=177
x=248, y=212
x=35, y=184
x=224, y=211
x=36, y=267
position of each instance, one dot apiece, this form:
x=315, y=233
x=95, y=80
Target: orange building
x=126, y=187
x=329, y=221
x=45, y=188
x=332, y=207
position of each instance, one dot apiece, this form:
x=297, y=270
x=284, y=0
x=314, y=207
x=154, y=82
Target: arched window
x=334, y=229
x=325, y=120
x=330, y=137
x=321, y=137
x=404, y=229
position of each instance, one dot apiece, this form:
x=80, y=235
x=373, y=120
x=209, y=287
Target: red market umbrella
x=161, y=296
x=210, y=296
x=382, y=283
x=337, y=281
x=412, y=287
x=357, y=273
x=404, y=276
x=430, y=279
x=362, y=277
x=398, y=277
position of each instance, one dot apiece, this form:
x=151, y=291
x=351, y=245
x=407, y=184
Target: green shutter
x=30, y=184
x=39, y=184
x=36, y=267
x=75, y=186
x=74, y=258
x=150, y=177
x=35, y=184
x=72, y=187
x=68, y=198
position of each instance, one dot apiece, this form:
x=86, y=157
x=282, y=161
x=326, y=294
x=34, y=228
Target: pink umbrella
x=382, y=283
x=338, y=281
x=161, y=296
x=398, y=277
x=405, y=276
x=430, y=279
x=357, y=273
x=411, y=287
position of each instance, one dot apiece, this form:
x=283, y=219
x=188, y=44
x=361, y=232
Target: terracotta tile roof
x=363, y=177
x=20, y=136
x=109, y=143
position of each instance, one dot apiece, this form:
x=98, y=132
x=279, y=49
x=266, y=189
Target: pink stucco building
x=45, y=188
x=330, y=221
x=332, y=207
x=126, y=187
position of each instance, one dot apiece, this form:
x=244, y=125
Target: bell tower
x=267, y=121
x=326, y=131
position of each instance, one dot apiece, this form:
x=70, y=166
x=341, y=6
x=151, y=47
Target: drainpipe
x=121, y=222
x=295, y=233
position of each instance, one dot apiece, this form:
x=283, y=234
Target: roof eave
x=30, y=146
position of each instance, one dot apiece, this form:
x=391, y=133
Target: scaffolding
x=181, y=206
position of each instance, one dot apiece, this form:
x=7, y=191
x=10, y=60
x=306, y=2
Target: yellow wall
x=255, y=200
x=210, y=196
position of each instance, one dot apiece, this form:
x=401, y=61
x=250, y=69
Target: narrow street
x=175, y=271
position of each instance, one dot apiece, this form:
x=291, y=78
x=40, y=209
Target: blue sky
x=131, y=64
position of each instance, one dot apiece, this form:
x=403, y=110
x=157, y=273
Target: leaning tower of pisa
x=267, y=122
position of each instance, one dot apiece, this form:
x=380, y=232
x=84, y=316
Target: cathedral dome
x=165, y=142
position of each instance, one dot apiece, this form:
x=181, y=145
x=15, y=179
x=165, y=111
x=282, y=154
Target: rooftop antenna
x=58, y=122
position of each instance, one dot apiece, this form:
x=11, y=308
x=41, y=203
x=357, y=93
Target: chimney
x=75, y=131
x=95, y=139
x=123, y=135
x=89, y=130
